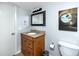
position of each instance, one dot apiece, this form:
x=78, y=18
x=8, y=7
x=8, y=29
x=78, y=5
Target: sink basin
x=32, y=33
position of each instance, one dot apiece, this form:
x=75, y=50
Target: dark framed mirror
x=38, y=19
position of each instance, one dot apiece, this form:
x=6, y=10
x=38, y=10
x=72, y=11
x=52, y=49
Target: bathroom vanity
x=33, y=43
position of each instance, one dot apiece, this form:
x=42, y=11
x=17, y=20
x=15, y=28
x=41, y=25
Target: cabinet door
x=39, y=46
x=29, y=51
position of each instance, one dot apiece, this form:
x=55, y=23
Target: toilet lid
x=69, y=45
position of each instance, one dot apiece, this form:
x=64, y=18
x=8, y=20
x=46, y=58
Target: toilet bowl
x=68, y=49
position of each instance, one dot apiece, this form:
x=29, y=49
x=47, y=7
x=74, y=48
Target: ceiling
x=31, y=5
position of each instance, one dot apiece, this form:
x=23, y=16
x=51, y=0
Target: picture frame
x=68, y=19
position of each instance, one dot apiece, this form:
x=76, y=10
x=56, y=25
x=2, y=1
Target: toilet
x=68, y=49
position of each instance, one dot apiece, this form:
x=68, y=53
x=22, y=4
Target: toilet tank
x=68, y=49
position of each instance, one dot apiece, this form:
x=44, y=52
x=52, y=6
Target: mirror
x=38, y=19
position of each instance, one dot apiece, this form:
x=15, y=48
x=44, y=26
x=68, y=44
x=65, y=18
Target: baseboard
x=18, y=52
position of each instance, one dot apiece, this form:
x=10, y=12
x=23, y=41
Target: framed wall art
x=68, y=19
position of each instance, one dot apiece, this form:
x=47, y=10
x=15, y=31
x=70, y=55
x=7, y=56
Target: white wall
x=22, y=24
x=51, y=28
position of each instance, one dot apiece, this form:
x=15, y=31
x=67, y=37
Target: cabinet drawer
x=26, y=37
x=29, y=51
x=29, y=43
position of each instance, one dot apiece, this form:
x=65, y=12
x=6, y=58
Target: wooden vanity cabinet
x=32, y=46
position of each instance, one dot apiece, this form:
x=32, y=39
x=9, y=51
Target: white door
x=7, y=27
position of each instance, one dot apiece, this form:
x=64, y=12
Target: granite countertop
x=39, y=33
